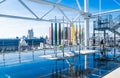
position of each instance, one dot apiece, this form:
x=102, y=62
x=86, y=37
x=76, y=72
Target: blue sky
x=94, y=4
x=10, y=28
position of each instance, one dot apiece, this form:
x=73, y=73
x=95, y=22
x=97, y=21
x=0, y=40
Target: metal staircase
x=116, y=23
x=115, y=26
x=107, y=23
x=114, y=31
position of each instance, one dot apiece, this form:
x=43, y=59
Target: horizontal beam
x=106, y=12
x=24, y=18
x=54, y=4
x=33, y=19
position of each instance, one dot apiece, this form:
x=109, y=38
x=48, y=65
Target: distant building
x=30, y=34
x=24, y=37
x=22, y=44
x=14, y=44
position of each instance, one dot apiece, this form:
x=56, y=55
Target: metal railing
x=103, y=22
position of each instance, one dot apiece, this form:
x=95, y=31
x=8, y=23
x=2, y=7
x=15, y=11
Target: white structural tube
x=86, y=29
x=86, y=23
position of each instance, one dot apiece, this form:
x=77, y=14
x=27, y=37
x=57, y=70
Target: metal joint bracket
x=87, y=15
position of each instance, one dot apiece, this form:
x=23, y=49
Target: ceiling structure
x=54, y=8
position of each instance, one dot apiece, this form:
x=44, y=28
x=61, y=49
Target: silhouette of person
x=102, y=46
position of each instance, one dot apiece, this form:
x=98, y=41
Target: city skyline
x=12, y=30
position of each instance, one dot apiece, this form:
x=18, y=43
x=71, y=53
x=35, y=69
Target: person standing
x=102, y=43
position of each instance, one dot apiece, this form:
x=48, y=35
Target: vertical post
x=20, y=56
x=114, y=43
x=86, y=25
x=94, y=39
x=55, y=37
x=59, y=33
x=52, y=34
x=70, y=36
x=104, y=42
x=50, y=39
x=44, y=46
x=94, y=34
x=63, y=37
x=105, y=36
x=76, y=34
x=33, y=54
x=79, y=37
x=19, y=49
x=55, y=32
x=32, y=51
x=3, y=50
x=67, y=34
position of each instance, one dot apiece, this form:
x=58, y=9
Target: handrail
x=107, y=22
x=116, y=22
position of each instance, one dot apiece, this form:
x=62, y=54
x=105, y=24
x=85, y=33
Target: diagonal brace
x=28, y=8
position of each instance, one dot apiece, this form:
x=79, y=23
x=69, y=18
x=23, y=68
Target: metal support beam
x=104, y=36
x=64, y=14
x=28, y=8
x=78, y=5
x=60, y=7
x=114, y=44
x=29, y=18
x=86, y=27
x=118, y=3
x=47, y=13
x=51, y=9
x=86, y=23
x=106, y=12
x=80, y=11
x=76, y=18
x=58, y=1
x=53, y=4
x=24, y=18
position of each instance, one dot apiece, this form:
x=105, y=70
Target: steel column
x=86, y=27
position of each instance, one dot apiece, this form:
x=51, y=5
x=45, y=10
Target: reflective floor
x=31, y=65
